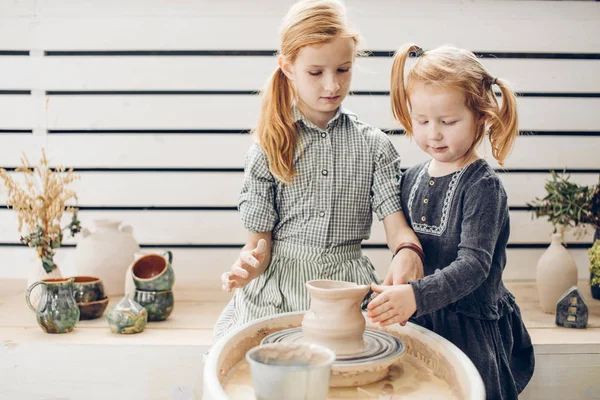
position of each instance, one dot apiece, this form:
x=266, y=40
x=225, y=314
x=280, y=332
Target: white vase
x=556, y=273
x=106, y=253
x=35, y=273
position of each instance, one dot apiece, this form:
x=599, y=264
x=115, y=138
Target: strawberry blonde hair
x=458, y=69
x=308, y=22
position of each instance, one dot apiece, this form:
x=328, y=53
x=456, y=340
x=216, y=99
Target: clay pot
x=158, y=304
x=88, y=289
x=335, y=318
x=106, y=253
x=556, y=273
x=92, y=309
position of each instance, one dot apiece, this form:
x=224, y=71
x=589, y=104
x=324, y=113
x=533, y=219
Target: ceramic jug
x=57, y=311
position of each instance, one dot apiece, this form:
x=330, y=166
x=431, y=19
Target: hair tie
x=419, y=52
x=494, y=81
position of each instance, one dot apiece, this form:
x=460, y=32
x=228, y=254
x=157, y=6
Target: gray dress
x=462, y=221
x=345, y=173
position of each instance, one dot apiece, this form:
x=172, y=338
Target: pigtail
x=398, y=96
x=504, y=126
x=275, y=130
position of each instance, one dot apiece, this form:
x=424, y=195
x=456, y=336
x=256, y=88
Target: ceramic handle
x=126, y=228
x=28, y=300
x=169, y=256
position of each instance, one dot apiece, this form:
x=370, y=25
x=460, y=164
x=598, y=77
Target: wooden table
x=166, y=360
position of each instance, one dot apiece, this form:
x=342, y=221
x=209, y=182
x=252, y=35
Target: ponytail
x=398, y=96
x=504, y=123
x=275, y=129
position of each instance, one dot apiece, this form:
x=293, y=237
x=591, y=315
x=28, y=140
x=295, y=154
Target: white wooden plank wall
x=148, y=101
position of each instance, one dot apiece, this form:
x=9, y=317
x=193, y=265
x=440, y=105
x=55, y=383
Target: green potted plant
x=594, y=220
x=570, y=205
x=565, y=206
x=594, y=257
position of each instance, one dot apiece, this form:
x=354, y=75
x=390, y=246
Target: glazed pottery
x=158, y=304
x=556, y=273
x=335, y=318
x=129, y=284
x=88, y=289
x=106, y=253
x=36, y=273
x=127, y=316
x=291, y=371
x=153, y=272
x=57, y=311
x=93, y=309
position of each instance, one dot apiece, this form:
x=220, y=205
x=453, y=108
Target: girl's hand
x=245, y=268
x=393, y=304
x=405, y=266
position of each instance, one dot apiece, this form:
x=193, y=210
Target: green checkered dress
x=344, y=174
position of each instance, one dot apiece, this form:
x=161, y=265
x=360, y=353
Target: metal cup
x=290, y=371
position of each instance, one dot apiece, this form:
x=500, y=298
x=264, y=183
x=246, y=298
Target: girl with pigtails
x=457, y=206
x=314, y=178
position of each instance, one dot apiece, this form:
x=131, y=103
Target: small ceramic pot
x=159, y=304
x=88, y=289
x=127, y=316
x=92, y=309
x=153, y=272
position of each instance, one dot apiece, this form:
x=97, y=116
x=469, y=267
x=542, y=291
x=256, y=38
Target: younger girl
x=457, y=206
x=314, y=178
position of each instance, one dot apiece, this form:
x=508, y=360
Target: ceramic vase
x=106, y=253
x=556, y=273
x=335, y=319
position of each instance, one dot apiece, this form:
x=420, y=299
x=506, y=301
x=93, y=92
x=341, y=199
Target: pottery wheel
x=381, y=348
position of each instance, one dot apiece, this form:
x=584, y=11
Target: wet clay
x=408, y=379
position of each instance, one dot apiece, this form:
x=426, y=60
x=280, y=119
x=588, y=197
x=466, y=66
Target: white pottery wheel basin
x=425, y=350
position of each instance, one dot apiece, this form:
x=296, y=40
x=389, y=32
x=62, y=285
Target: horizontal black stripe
x=148, y=92
x=196, y=208
x=20, y=92
x=270, y=53
x=14, y=52
x=150, y=131
x=255, y=92
x=12, y=131
x=150, y=208
x=524, y=246
x=238, y=170
x=162, y=53
x=245, y=131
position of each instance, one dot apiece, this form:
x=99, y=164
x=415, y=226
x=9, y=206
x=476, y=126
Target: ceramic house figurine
x=571, y=309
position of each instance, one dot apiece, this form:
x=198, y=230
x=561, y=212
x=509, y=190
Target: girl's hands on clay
x=405, y=266
x=393, y=304
x=245, y=268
